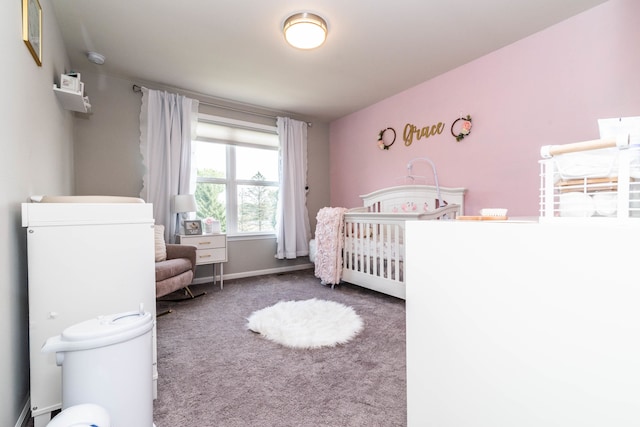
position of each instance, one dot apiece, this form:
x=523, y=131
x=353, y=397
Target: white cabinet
x=523, y=324
x=84, y=260
x=212, y=249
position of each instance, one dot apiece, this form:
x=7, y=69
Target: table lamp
x=184, y=204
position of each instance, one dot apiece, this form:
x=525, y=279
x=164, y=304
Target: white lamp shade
x=305, y=30
x=184, y=203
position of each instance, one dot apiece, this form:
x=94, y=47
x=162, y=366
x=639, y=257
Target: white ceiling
x=234, y=49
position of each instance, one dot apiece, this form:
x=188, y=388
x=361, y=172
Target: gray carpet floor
x=213, y=371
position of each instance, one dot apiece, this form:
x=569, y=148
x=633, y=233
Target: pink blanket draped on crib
x=329, y=240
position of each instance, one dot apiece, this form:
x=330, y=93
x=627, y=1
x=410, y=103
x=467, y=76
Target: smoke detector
x=95, y=57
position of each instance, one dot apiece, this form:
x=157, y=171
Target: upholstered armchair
x=176, y=271
x=175, y=266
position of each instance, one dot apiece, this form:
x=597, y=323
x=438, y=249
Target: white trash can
x=85, y=415
x=108, y=361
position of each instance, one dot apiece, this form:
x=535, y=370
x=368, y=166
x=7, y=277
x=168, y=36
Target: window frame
x=231, y=182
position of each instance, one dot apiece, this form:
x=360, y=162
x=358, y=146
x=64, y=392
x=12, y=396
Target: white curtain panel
x=167, y=126
x=292, y=222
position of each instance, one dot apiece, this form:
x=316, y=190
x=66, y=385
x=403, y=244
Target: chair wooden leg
x=190, y=295
x=188, y=290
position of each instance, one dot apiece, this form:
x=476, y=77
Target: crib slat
x=357, y=247
x=352, y=246
x=365, y=249
x=376, y=257
x=371, y=255
x=384, y=254
x=390, y=270
x=347, y=245
x=396, y=251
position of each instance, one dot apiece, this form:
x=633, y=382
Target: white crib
x=373, y=250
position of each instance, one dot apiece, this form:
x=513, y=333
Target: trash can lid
x=108, y=326
x=100, y=332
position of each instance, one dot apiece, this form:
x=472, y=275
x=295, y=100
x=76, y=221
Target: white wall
x=37, y=158
x=107, y=150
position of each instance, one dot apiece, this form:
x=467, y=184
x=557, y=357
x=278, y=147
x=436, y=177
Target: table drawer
x=208, y=256
x=206, y=241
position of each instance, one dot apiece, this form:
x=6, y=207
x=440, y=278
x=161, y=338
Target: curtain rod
x=138, y=88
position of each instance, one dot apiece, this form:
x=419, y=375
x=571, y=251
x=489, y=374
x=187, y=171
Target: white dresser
x=84, y=260
x=523, y=324
x=212, y=249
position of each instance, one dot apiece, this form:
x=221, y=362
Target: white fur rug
x=311, y=323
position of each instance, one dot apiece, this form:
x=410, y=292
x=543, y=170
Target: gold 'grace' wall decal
x=460, y=128
x=411, y=131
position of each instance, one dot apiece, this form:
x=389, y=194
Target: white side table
x=212, y=249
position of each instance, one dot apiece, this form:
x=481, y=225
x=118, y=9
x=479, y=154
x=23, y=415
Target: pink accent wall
x=549, y=88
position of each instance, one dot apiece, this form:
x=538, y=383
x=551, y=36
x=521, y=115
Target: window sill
x=261, y=236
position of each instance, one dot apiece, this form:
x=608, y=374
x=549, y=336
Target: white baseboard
x=26, y=411
x=209, y=279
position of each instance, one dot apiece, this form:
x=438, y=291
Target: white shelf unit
x=591, y=179
x=72, y=100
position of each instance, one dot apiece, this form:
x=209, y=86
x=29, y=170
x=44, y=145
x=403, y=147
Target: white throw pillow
x=161, y=248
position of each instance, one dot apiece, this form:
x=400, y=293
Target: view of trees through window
x=257, y=201
x=257, y=206
x=237, y=172
x=210, y=198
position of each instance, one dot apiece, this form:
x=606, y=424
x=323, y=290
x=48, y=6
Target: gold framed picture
x=32, y=28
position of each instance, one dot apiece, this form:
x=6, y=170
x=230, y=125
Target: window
x=236, y=165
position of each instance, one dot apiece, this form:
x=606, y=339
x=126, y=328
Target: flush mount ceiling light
x=305, y=30
x=95, y=57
